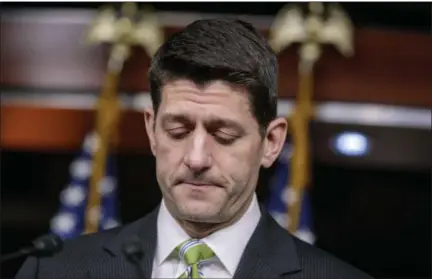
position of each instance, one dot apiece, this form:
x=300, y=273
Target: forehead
x=217, y=98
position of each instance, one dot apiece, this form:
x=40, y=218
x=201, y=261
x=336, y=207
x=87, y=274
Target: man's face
x=208, y=149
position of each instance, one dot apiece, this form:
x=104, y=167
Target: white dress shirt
x=228, y=244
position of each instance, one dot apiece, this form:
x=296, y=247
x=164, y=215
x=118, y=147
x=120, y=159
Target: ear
x=149, y=119
x=274, y=141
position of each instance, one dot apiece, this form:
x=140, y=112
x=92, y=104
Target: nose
x=198, y=156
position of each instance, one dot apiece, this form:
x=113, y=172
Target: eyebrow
x=222, y=122
x=172, y=117
x=212, y=121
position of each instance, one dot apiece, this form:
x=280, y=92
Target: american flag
x=69, y=222
x=280, y=197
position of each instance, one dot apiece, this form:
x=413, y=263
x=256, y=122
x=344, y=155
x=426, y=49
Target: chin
x=199, y=212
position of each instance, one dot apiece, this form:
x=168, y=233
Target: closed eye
x=177, y=133
x=224, y=138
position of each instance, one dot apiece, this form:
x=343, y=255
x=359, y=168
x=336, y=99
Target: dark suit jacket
x=271, y=253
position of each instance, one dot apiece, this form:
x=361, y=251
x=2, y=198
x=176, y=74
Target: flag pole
x=290, y=27
x=300, y=162
x=123, y=33
x=107, y=118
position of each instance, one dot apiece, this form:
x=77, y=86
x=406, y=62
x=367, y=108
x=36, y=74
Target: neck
x=200, y=229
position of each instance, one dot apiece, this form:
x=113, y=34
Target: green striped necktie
x=194, y=253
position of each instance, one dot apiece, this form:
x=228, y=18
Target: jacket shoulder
x=86, y=242
x=86, y=253
x=317, y=263
x=74, y=259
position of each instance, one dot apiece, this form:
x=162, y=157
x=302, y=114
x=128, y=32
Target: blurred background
x=370, y=174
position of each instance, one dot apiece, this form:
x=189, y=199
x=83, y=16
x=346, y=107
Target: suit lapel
x=148, y=236
x=270, y=252
x=117, y=265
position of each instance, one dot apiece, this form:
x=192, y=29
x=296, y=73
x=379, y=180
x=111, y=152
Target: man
x=212, y=127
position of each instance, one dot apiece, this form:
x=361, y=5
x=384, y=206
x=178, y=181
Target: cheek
x=168, y=157
x=240, y=165
x=165, y=147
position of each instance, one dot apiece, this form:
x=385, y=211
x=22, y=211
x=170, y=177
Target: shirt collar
x=169, y=234
x=228, y=244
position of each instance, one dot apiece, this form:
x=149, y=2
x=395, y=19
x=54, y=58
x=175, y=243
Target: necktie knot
x=194, y=251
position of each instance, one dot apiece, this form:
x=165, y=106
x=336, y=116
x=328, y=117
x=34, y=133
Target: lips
x=200, y=184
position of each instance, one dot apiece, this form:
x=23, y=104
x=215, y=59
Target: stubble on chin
x=197, y=211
